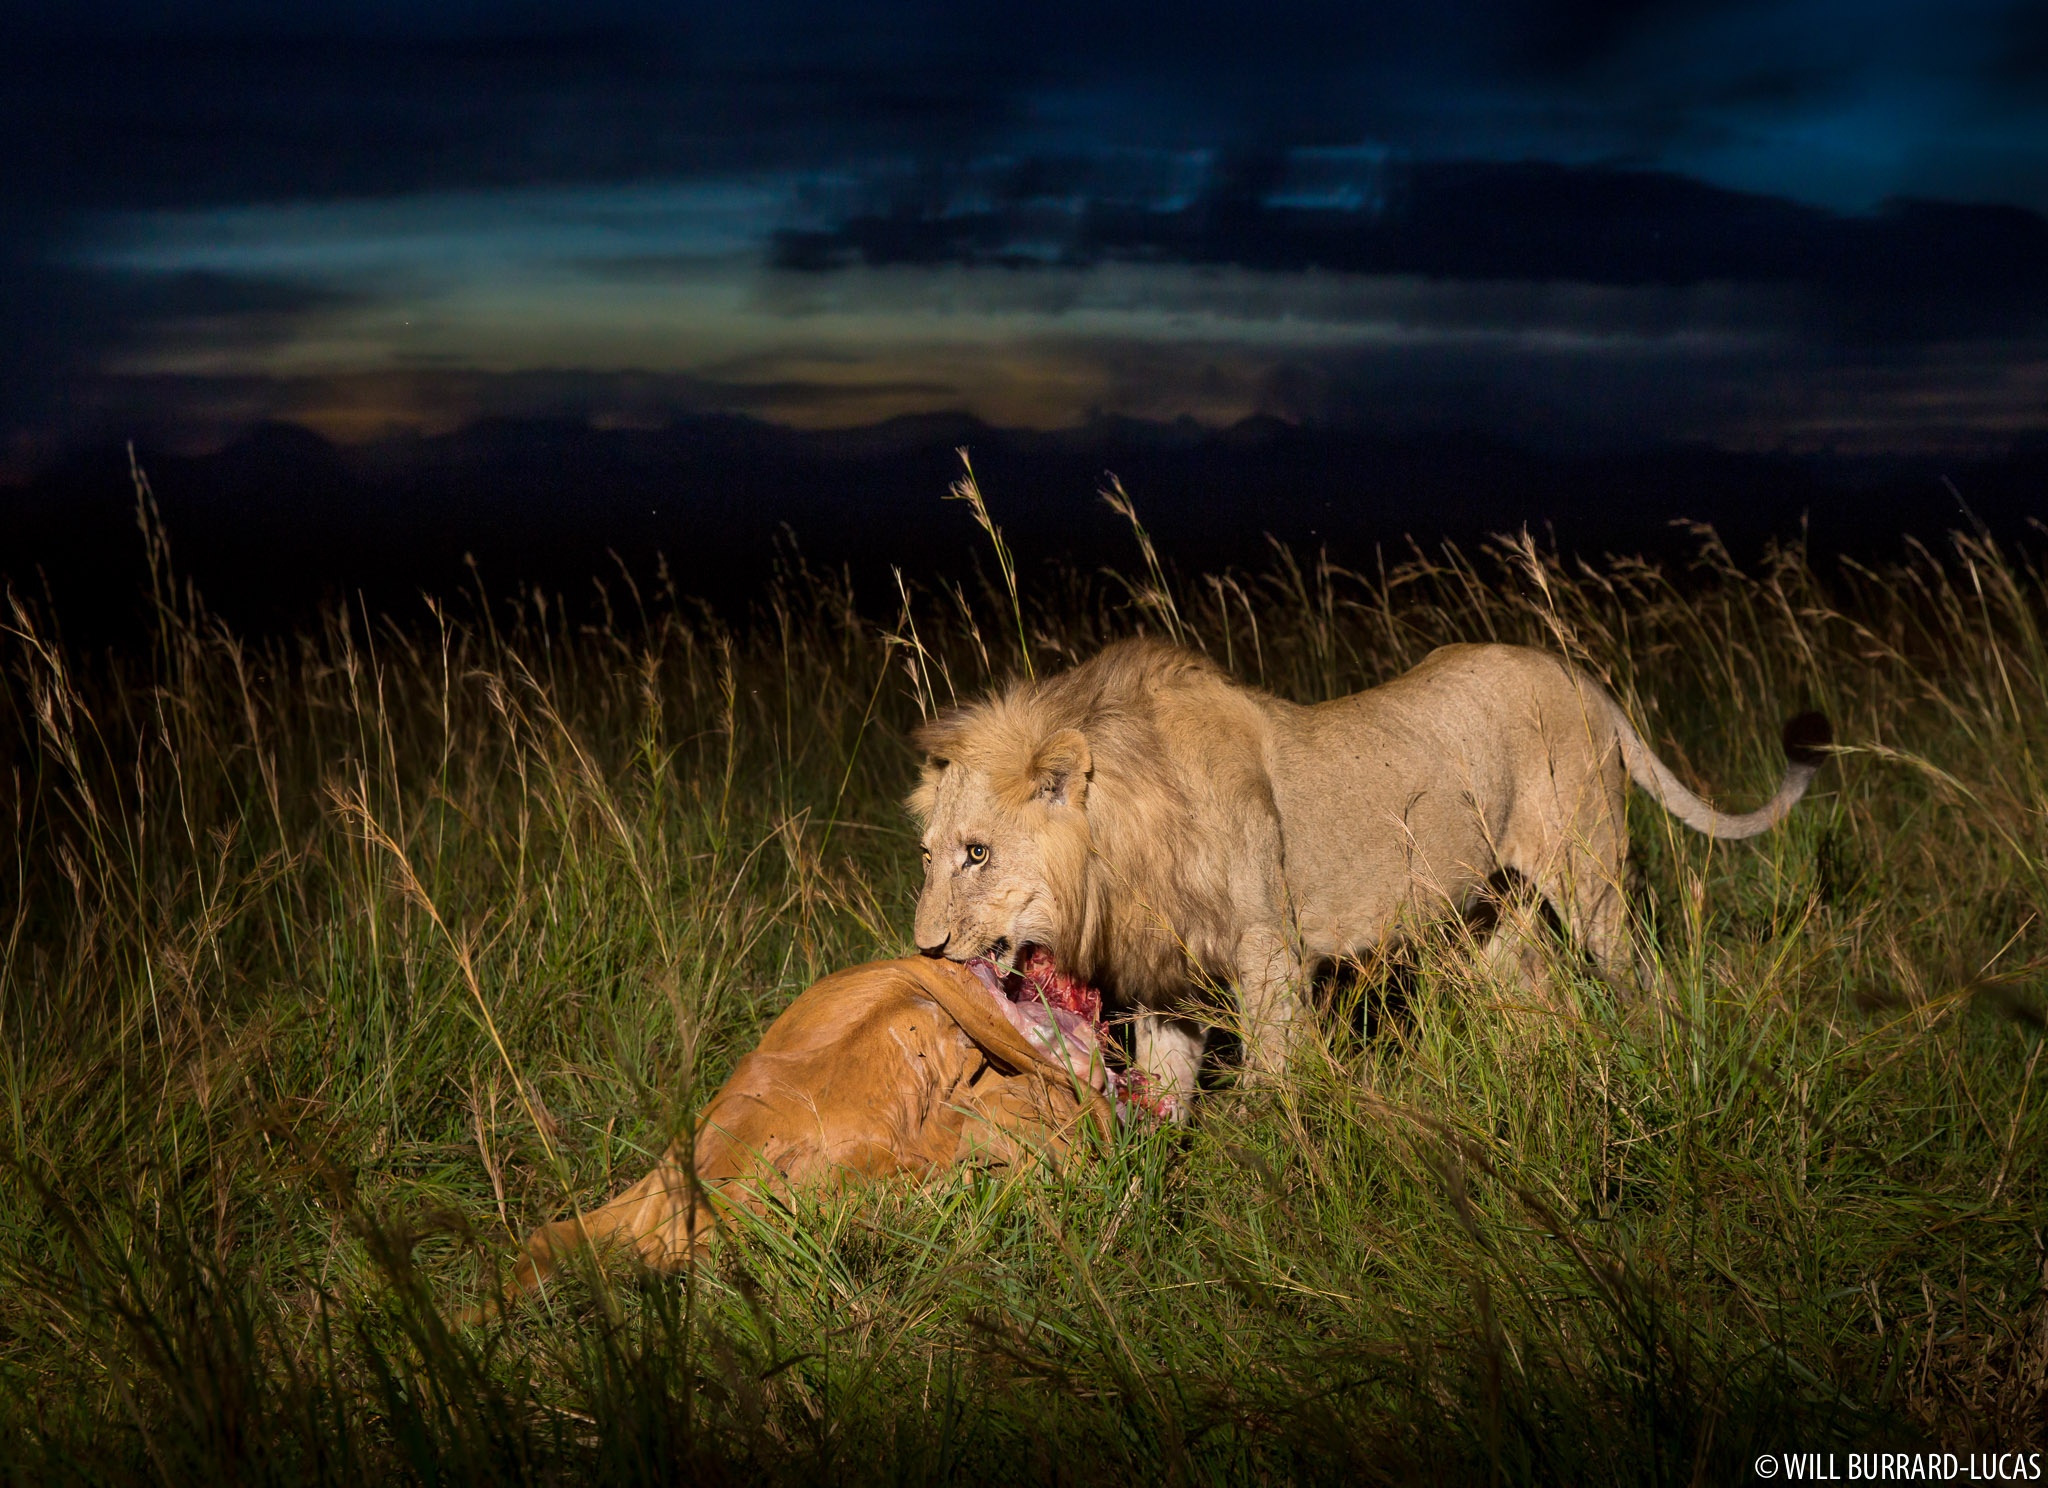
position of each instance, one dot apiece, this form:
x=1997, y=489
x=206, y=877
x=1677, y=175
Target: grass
x=331, y=964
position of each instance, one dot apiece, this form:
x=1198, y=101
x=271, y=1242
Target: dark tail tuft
x=1807, y=738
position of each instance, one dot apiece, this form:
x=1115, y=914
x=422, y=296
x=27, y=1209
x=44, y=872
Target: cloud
x=1561, y=305
x=62, y=322
x=1529, y=368
x=128, y=104
x=184, y=120
x=1919, y=269
x=824, y=214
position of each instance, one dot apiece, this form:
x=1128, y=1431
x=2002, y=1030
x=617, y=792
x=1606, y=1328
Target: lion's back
x=1408, y=788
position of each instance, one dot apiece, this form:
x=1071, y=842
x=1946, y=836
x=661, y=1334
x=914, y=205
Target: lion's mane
x=1140, y=885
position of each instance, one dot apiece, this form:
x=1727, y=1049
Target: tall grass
x=331, y=964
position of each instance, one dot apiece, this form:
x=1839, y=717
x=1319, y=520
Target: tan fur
x=894, y=1068
x=1152, y=822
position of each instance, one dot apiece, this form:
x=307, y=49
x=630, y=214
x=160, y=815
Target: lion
x=894, y=1069
x=1153, y=824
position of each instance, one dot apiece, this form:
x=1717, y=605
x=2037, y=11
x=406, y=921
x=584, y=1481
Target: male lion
x=1149, y=821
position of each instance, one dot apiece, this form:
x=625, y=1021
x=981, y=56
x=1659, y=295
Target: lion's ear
x=924, y=799
x=1060, y=767
x=937, y=739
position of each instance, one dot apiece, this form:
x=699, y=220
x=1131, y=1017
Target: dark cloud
x=1568, y=38
x=2019, y=50
x=60, y=323
x=198, y=295
x=1635, y=144
x=51, y=327
x=132, y=104
x=191, y=121
x=1918, y=269
x=166, y=108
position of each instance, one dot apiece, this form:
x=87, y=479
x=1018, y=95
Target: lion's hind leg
x=1515, y=939
x=1584, y=884
x=1571, y=841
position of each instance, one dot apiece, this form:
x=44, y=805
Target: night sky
x=1802, y=225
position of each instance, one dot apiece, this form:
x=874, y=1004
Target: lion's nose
x=936, y=951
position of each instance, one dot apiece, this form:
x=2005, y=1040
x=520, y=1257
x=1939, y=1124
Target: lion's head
x=1003, y=803
x=1053, y=815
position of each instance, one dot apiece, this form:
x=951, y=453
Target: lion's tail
x=1806, y=740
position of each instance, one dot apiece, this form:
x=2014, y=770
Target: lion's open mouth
x=1063, y=1016
x=1033, y=977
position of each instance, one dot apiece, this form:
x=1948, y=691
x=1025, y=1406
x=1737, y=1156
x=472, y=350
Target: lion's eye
x=926, y=854
x=977, y=853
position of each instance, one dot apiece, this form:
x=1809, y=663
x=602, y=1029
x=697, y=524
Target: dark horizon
x=281, y=524
x=373, y=286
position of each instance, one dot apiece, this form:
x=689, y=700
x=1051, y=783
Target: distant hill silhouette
x=274, y=523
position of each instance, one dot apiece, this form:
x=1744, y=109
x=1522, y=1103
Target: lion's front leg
x=1169, y=1051
x=1268, y=989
